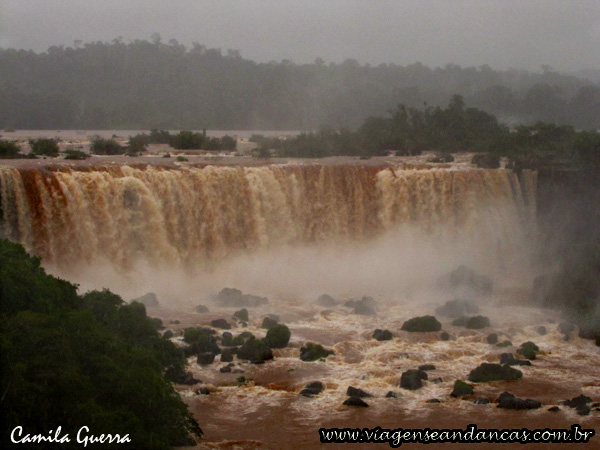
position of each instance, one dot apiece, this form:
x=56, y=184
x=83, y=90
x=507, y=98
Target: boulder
x=554, y=409
x=205, y=358
x=477, y=322
x=494, y=372
x=234, y=298
x=148, y=299
x=566, y=327
x=256, y=351
x=201, y=309
x=528, y=350
x=465, y=277
x=456, y=308
x=221, y=323
x=268, y=323
x=492, y=339
x=364, y=307
x=426, y=367
x=226, y=338
x=422, y=323
x=444, y=336
x=391, y=394
x=327, y=301
x=226, y=355
x=356, y=392
x=311, y=389
x=481, y=401
x=541, y=330
x=509, y=401
x=460, y=321
x=278, y=336
x=412, y=379
x=242, y=315
x=382, y=335
x=168, y=334
x=241, y=338
x=510, y=360
x=577, y=402
x=313, y=352
x=181, y=377
x=434, y=400
x=504, y=344
x=202, y=391
x=225, y=369
x=461, y=389
x=356, y=401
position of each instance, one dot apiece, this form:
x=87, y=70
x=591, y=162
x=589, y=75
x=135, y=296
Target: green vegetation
x=47, y=147
x=422, y=324
x=101, y=146
x=8, y=149
x=410, y=131
x=75, y=154
x=155, y=84
x=71, y=360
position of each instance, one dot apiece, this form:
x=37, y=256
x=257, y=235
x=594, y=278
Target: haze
x=503, y=34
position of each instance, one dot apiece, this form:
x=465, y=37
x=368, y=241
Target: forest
x=165, y=85
x=90, y=360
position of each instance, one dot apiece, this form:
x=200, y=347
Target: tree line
x=90, y=360
x=456, y=128
x=152, y=84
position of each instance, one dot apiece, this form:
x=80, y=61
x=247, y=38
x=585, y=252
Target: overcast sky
x=564, y=34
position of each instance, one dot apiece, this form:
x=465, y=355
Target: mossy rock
x=477, y=322
x=461, y=389
x=492, y=339
x=504, y=344
x=242, y=315
x=382, y=335
x=269, y=322
x=313, y=352
x=278, y=336
x=422, y=324
x=255, y=350
x=494, y=372
x=241, y=338
x=528, y=350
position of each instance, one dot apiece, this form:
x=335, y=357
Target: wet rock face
x=234, y=298
x=327, y=301
x=312, y=389
x=456, y=308
x=256, y=351
x=313, y=352
x=221, y=323
x=509, y=401
x=278, y=336
x=461, y=389
x=510, y=360
x=422, y=324
x=356, y=401
x=356, y=392
x=412, y=379
x=382, y=335
x=494, y=372
x=366, y=306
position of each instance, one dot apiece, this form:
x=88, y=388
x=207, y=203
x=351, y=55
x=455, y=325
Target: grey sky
x=564, y=34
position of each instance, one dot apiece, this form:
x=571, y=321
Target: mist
x=507, y=34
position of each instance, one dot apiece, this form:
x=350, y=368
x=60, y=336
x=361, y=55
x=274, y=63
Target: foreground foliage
x=70, y=361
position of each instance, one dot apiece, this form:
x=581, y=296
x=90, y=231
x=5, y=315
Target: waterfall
x=191, y=217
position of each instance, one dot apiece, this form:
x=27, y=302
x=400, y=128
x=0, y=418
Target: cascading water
x=195, y=217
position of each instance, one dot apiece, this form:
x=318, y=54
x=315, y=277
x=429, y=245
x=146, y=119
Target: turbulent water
x=292, y=232
x=191, y=217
